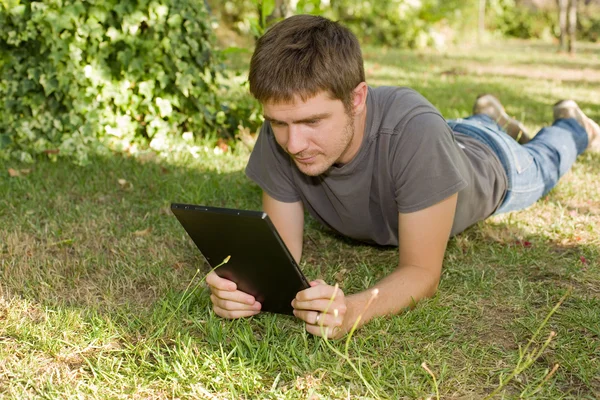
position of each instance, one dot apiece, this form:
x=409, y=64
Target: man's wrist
x=356, y=307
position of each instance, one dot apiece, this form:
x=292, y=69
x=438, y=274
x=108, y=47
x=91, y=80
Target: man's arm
x=423, y=236
x=288, y=218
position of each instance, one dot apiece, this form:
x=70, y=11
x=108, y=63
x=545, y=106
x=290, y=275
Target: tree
x=572, y=25
x=481, y=29
x=282, y=10
x=567, y=18
x=269, y=12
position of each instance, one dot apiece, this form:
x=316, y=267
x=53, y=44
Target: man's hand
x=323, y=316
x=228, y=302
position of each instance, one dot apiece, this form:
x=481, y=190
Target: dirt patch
x=557, y=74
x=493, y=324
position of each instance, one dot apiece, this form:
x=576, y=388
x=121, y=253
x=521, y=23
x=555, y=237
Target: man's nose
x=297, y=142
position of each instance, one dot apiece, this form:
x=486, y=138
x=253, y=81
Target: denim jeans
x=532, y=169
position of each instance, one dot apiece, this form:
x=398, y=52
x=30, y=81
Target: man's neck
x=360, y=122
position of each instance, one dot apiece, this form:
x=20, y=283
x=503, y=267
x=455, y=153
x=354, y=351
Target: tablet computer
x=260, y=263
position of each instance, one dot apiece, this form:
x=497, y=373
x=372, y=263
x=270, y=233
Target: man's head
x=304, y=55
x=308, y=73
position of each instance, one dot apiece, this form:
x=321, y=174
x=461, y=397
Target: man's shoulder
x=392, y=107
x=394, y=96
x=393, y=91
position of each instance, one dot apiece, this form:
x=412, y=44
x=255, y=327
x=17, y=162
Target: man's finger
x=320, y=292
x=320, y=305
x=310, y=317
x=233, y=305
x=237, y=296
x=234, y=314
x=325, y=331
x=216, y=281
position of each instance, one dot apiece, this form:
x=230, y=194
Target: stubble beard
x=336, y=153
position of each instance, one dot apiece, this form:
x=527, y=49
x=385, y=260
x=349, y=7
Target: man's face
x=316, y=133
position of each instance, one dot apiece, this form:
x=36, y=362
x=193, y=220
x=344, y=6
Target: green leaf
x=268, y=6
x=5, y=140
x=17, y=11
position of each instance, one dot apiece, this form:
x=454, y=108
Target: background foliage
x=74, y=73
x=421, y=23
x=508, y=19
x=82, y=76
x=400, y=23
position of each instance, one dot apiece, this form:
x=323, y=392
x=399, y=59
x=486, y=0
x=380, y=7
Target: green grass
x=89, y=308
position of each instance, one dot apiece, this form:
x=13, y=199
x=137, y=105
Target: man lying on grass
x=383, y=166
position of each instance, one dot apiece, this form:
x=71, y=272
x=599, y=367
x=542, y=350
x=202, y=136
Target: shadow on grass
x=107, y=229
x=525, y=54
x=582, y=48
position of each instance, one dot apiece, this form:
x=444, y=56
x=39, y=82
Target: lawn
x=97, y=278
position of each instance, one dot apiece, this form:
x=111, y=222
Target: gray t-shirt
x=409, y=160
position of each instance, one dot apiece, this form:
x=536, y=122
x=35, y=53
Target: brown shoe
x=570, y=109
x=489, y=105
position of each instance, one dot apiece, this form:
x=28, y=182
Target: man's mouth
x=305, y=160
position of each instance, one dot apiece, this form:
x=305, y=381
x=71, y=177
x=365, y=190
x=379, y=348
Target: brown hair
x=303, y=55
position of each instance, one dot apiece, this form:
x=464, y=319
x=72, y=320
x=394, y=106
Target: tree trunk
x=572, y=26
x=340, y=9
x=481, y=29
x=282, y=10
x=563, y=6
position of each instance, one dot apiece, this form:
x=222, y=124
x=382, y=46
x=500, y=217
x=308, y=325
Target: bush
x=77, y=73
x=402, y=23
x=398, y=23
x=514, y=20
x=588, y=24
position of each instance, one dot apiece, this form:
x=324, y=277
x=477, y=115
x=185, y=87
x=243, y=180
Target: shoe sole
x=570, y=109
x=513, y=127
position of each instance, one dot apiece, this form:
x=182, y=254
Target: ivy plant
x=77, y=75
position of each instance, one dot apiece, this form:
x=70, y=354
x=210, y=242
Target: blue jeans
x=534, y=168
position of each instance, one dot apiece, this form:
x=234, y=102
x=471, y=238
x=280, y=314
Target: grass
x=93, y=272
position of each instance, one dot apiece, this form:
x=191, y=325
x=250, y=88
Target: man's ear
x=359, y=98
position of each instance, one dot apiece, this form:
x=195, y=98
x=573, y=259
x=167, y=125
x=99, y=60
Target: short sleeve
x=271, y=168
x=427, y=165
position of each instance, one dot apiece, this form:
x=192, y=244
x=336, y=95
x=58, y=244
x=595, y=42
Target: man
x=381, y=165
